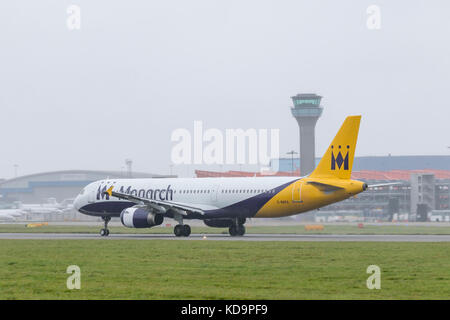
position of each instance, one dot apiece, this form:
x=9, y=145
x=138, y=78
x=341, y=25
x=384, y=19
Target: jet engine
x=140, y=217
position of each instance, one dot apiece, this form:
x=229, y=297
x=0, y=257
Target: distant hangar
x=37, y=188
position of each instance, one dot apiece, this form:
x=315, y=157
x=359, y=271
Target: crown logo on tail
x=339, y=160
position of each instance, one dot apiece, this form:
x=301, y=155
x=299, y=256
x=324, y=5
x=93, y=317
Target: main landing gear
x=237, y=228
x=182, y=230
x=105, y=232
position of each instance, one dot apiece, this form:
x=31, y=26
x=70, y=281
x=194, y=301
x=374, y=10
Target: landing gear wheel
x=186, y=230
x=182, y=230
x=178, y=230
x=240, y=230
x=104, y=232
x=236, y=230
x=232, y=230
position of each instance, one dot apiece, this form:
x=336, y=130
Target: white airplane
x=226, y=202
x=40, y=208
x=10, y=214
x=66, y=205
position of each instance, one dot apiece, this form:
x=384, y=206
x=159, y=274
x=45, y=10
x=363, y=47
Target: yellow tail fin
x=337, y=161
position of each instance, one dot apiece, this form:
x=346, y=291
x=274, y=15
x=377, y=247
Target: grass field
x=161, y=269
x=294, y=229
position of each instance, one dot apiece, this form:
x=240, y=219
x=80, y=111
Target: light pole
x=292, y=160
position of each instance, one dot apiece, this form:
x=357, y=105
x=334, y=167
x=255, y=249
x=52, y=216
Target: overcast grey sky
x=137, y=70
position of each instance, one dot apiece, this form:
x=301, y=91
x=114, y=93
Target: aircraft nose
x=77, y=203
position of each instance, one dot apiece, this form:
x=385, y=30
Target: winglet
x=109, y=191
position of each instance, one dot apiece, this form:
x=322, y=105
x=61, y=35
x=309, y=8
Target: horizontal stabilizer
x=324, y=186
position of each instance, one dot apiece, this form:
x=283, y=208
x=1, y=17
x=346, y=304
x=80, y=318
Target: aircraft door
x=91, y=195
x=214, y=191
x=297, y=191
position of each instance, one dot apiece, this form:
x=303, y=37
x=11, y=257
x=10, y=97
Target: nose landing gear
x=105, y=231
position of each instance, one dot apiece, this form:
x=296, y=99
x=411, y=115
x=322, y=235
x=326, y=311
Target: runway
x=222, y=237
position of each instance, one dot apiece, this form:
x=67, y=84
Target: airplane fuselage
x=258, y=197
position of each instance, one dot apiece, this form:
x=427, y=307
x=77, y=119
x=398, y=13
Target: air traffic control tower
x=307, y=110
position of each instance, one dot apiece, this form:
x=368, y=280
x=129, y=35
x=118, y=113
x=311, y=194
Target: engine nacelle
x=139, y=217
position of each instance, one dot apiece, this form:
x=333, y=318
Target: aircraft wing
x=158, y=205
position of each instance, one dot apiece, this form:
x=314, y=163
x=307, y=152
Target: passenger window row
x=248, y=191
x=228, y=191
x=194, y=191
